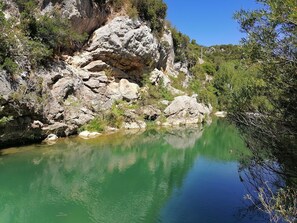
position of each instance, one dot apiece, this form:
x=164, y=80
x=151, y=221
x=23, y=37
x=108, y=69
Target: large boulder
x=123, y=43
x=122, y=90
x=185, y=110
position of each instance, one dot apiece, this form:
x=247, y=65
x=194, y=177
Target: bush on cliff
x=36, y=39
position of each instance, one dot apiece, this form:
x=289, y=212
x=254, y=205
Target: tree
x=271, y=45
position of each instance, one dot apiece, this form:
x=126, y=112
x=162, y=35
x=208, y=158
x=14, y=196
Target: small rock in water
x=87, y=134
x=51, y=137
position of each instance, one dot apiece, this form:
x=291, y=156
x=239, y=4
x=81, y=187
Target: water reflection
x=125, y=177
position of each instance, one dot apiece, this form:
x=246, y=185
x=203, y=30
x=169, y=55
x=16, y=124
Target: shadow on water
x=270, y=171
x=124, y=177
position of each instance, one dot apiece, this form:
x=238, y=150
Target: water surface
x=183, y=176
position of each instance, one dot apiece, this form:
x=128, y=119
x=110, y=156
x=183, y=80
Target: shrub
x=5, y=120
x=57, y=33
x=10, y=66
x=209, y=68
x=177, y=82
x=97, y=124
x=153, y=11
x=115, y=117
x=180, y=44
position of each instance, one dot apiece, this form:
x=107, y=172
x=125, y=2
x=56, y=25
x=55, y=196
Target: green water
x=183, y=175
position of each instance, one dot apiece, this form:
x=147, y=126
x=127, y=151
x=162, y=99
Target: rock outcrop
x=185, y=110
x=127, y=46
x=69, y=93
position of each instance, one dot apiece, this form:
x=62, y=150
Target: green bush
x=5, y=120
x=57, y=33
x=97, y=124
x=209, y=68
x=10, y=66
x=177, y=82
x=159, y=92
x=180, y=44
x=115, y=117
x=153, y=11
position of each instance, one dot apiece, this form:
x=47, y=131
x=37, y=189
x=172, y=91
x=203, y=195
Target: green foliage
x=159, y=92
x=97, y=125
x=207, y=96
x=56, y=33
x=219, y=54
x=209, y=68
x=177, y=82
x=271, y=46
x=41, y=37
x=115, y=117
x=5, y=120
x=153, y=11
x=180, y=44
x=195, y=85
x=10, y=66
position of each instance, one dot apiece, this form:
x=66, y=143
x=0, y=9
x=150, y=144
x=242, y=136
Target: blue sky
x=209, y=22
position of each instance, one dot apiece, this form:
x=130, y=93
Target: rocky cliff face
x=69, y=93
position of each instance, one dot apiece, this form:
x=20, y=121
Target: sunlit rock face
x=186, y=110
x=123, y=44
x=85, y=15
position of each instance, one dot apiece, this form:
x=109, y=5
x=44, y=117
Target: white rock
x=185, y=110
x=221, y=114
x=51, y=137
x=88, y=134
x=129, y=91
x=84, y=134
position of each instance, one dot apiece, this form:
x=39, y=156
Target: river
x=172, y=176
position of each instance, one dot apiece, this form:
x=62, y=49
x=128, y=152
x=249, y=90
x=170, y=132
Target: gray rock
x=92, y=83
x=185, y=110
x=167, y=52
x=57, y=128
x=221, y=114
x=113, y=91
x=123, y=43
x=129, y=91
x=138, y=124
x=157, y=76
x=122, y=90
x=132, y=120
x=96, y=66
x=5, y=86
x=63, y=88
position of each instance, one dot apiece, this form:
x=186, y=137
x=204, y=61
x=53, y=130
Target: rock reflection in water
x=124, y=177
x=118, y=178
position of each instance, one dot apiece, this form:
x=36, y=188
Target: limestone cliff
x=73, y=90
